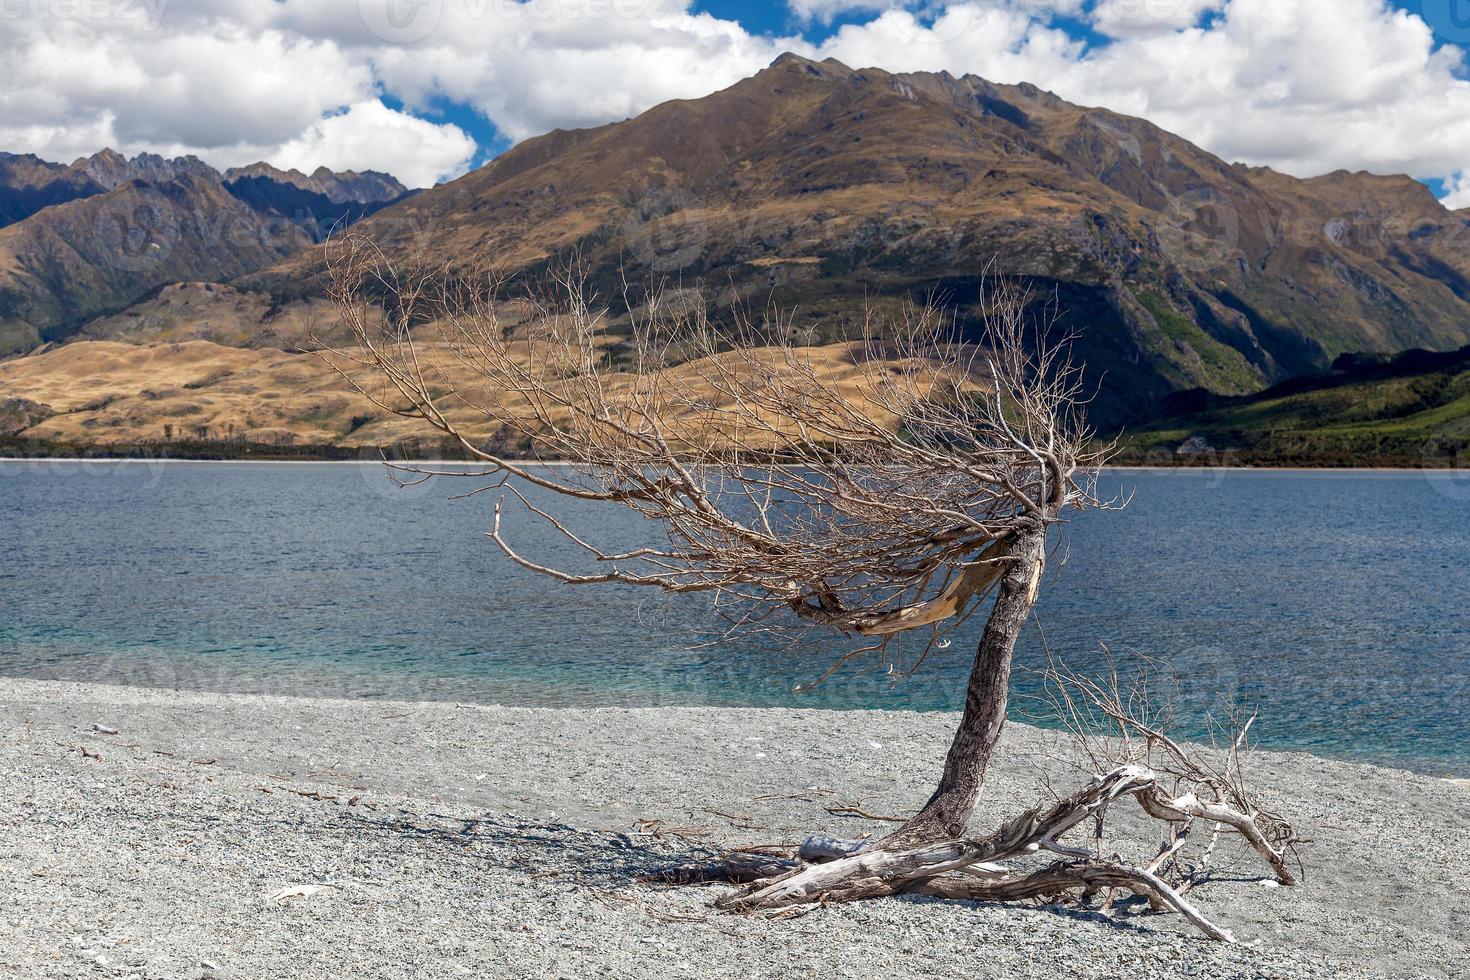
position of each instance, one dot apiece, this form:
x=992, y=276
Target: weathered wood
x=1160, y=806
x=821, y=848
x=947, y=812
x=967, y=868
x=736, y=868
x=1062, y=877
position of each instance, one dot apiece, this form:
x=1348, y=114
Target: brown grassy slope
x=106, y=393
x=212, y=311
x=111, y=393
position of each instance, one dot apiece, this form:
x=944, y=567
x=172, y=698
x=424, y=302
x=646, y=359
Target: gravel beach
x=218, y=835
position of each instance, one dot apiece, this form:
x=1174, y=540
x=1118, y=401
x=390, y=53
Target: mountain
x=1410, y=409
x=72, y=262
x=368, y=187
x=823, y=188
x=316, y=212
x=86, y=240
x=214, y=311
x=826, y=191
x=28, y=183
x=112, y=170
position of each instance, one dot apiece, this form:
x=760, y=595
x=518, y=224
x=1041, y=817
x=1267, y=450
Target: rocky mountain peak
x=340, y=187
x=110, y=169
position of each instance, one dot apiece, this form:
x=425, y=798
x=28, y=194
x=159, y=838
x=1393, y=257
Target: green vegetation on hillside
x=1225, y=369
x=1413, y=410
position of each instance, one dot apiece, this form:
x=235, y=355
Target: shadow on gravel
x=550, y=850
x=610, y=862
x=1124, y=911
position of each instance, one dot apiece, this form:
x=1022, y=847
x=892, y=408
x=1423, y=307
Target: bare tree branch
x=871, y=488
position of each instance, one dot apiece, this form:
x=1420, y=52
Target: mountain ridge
x=25, y=175
x=367, y=187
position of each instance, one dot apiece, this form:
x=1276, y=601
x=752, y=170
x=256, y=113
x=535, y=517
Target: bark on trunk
x=948, y=811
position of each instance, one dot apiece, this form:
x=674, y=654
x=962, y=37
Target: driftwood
x=1062, y=877
x=974, y=868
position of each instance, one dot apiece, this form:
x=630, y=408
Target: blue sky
x=427, y=89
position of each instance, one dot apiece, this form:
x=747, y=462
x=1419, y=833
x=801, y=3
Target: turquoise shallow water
x=1335, y=604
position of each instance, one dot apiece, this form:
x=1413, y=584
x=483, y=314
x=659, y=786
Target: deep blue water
x=1337, y=605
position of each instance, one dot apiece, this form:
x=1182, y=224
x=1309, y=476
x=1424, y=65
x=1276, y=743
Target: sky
x=428, y=89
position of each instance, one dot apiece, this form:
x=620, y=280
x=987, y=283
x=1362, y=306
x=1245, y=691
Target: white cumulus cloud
x=530, y=67
x=1130, y=18
x=1458, y=188
x=1007, y=39
x=1305, y=86
x=230, y=83
x=370, y=136
x=823, y=11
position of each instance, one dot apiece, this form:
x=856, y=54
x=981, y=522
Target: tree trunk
x=948, y=811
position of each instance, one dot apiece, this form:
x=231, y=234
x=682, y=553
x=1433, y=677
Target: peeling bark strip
x=979, y=575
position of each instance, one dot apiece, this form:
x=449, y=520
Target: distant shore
x=1128, y=457
x=161, y=833
x=1123, y=466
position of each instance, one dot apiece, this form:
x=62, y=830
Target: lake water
x=1337, y=605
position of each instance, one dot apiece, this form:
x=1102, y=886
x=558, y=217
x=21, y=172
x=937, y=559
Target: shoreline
x=1420, y=767
x=278, y=836
x=1134, y=468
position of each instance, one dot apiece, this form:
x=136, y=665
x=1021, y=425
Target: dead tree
x=883, y=489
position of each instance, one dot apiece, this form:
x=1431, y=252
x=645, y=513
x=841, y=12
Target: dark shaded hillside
x=367, y=187
x=821, y=188
x=314, y=213
x=28, y=184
